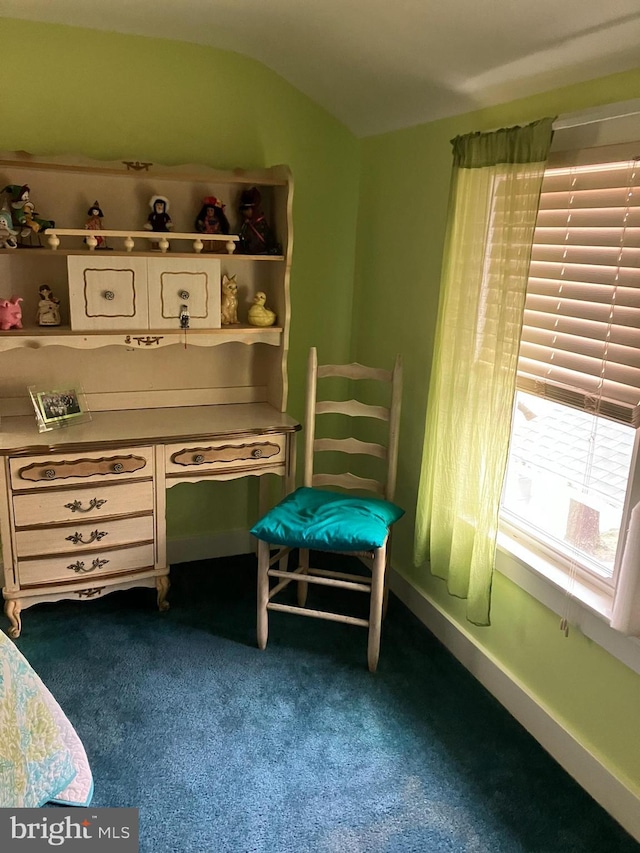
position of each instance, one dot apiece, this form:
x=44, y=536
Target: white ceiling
x=379, y=65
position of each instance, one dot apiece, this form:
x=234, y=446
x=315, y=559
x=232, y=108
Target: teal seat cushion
x=323, y=520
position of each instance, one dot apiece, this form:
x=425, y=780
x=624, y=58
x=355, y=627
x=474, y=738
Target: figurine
x=24, y=215
x=256, y=237
x=48, y=307
x=159, y=219
x=94, y=223
x=259, y=314
x=10, y=313
x=212, y=220
x=7, y=232
x=229, y=305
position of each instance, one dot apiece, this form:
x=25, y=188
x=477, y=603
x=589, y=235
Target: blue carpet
x=297, y=749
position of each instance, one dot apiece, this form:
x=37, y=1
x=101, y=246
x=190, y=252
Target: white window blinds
x=581, y=335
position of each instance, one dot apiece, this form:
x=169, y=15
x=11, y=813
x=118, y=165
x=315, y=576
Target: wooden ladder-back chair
x=314, y=518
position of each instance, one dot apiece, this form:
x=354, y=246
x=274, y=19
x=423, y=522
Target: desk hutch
x=82, y=508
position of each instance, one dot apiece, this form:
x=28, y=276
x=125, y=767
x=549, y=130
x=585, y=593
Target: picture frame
x=58, y=407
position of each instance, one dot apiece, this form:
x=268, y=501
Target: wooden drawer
x=89, y=566
x=83, y=504
x=240, y=453
x=81, y=538
x=66, y=469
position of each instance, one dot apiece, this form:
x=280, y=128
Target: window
x=571, y=480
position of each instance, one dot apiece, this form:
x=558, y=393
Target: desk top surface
x=145, y=426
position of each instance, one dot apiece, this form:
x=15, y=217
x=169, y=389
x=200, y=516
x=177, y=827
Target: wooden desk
x=82, y=509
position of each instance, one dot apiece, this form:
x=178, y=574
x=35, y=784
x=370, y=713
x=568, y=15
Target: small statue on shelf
x=229, y=302
x=94, y=223
x=259, y=314
x=159, y=219
x=256, y=237
x=10, y=313
x=48, y=307
x=212, y=220
x=25, y=219
x=7, y=231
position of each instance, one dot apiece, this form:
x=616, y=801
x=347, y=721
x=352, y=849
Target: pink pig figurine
x=10, y=313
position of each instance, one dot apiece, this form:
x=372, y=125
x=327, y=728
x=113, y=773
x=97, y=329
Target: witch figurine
x=256, y=237
x=159, y=219
x=94, y=223
x=26, y=220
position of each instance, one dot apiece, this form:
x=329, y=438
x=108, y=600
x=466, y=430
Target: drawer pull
x=109, y=295
x=94, y=503
x=184, y=294
x=95, y=536
x=198, y=459
x=79, y=567
x=257, y=453
x=118, y=468
x=50, y=473
x=89, y=593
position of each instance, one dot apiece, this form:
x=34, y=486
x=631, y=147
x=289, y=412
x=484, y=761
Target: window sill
x=590, y=607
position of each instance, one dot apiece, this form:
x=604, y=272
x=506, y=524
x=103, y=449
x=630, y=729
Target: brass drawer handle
x=257, y=453
x=184, y=294
x=94, y=503
x=79, y=567
x=118, y=468
x=109, y=295
x=198, y=458
x=95, y=536
x=50, y=473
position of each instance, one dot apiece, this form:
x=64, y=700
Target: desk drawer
x=247, y=453
x=99, y=501
x=90, y=566
x=66, y=469
x=81, y=538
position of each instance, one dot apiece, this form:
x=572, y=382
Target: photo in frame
x=59, y=407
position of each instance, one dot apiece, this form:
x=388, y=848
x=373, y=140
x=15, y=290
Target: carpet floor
x=297, y=749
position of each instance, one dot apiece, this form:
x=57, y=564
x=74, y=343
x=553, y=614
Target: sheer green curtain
x=494, y=200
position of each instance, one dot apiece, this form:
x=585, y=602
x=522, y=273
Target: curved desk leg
x=162, y=585
x=12, y=608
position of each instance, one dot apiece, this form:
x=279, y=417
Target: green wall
x=113, y=97
x=403, y=206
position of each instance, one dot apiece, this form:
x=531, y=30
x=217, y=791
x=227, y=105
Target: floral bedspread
x=41, y=756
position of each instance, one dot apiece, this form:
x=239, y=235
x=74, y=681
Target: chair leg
x=303, y=586
x=375, y=609
x=263, y=593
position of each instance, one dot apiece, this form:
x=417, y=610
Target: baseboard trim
x=605, y=788
x=212, y=545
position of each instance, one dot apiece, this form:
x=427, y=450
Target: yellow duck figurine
x=259, y=314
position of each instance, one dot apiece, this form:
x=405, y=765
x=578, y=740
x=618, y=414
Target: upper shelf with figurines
x=58, y=205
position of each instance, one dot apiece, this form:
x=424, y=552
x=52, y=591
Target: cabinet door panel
x=194, y=282
x=107, y=292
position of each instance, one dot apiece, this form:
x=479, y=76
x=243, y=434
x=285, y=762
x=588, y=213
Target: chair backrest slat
x=354, y=409
x=348, y=481
x=350, y=445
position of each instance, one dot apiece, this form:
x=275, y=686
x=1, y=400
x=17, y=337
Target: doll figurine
x=256, y=237
x=94, y=223
x=159, y=219
x=212, y=218
x=25, y=219
x=48, y=307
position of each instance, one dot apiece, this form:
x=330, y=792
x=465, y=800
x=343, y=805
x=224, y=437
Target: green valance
x=528, y=144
